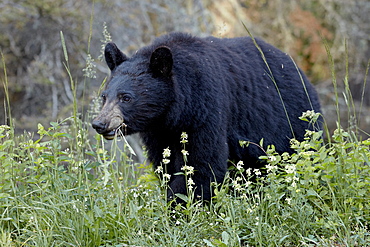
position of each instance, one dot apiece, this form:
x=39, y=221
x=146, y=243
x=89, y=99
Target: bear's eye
x=104, y=98
x=124, y=98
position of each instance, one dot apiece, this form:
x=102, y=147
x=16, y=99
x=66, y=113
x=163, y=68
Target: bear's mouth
x=110, y=135
x=119, y=131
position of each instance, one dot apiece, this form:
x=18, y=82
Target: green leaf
x=182, y=197
x=208, y=243
x=225, y=237
x=4, y=195
x=64, y=46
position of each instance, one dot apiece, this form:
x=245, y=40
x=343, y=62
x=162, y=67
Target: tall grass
x=7, y=110
x=65, y=188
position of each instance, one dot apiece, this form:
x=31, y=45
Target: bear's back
x=258, y=89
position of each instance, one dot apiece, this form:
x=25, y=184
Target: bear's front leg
x=177, y=185
x=206, y=162
x=198, y=184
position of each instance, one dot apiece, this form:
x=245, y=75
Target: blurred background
x=40, y=87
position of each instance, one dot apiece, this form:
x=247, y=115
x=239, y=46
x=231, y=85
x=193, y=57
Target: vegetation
x=63, y=190
x=61, y=186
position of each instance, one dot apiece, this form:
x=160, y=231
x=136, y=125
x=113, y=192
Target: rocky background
x=39, y=86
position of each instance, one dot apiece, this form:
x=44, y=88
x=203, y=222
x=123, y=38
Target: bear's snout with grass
x=218, y=91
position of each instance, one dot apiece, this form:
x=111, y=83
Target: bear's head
x=138, y=93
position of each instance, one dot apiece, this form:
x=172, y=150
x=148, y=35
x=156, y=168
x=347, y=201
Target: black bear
x=218, y=91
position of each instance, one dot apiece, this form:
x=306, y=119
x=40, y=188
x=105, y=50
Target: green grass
x=53, y=195
x=60, y=187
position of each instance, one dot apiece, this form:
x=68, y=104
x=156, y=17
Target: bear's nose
x=99, y=126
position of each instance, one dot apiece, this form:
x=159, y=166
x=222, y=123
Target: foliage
x=61, y=190
x=326, y=188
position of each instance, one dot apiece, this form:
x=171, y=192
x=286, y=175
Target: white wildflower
x=239, y=165
x=308, y=114
x=257, y=172
x=159, y=169
x=167, y=176
x=272, y=158
x=248, y=183
x=188, y=169
x=249, y=172
x=184, y=138
x=307, y=146
x=166, y=152
x=294, y=184
x=190, y=183
x=270, y=168
x=288, y=200
x=257, y=219
x=165, y=161
x=184, y=135
x=290, y=169
x=236, y=184
x=309, y=133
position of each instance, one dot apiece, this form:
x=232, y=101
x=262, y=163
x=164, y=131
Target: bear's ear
x=113, y=56
x=161, y=62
